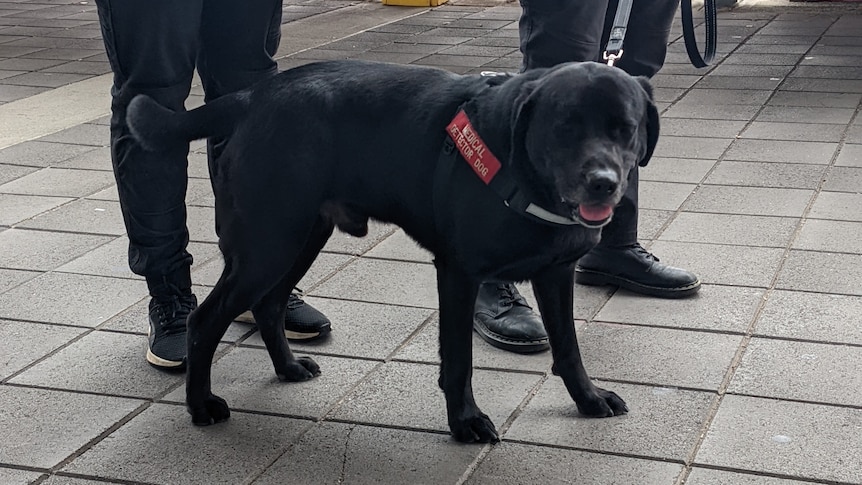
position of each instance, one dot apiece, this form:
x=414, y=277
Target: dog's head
x=582, y=128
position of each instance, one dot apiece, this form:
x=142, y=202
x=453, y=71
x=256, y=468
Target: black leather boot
x=505, y=320
x=636, y=269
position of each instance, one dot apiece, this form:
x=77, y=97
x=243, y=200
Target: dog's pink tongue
x=595, y=213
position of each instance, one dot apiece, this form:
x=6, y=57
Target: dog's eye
x=620, y=130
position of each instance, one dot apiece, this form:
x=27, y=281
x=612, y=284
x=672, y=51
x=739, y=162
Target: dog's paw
x=301, y=369
x=474, y=429
x=602, y=404
x=213, y=410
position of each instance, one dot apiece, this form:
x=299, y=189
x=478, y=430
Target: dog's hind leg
x=554, y=290
x=457, y=293
x=206, y=325
x=269, y=312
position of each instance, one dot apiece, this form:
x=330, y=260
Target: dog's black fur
x=336, y=143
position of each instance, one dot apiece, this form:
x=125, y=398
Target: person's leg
x=151, y=48
x=619, y=259
x=238, y=41
x=551, y=32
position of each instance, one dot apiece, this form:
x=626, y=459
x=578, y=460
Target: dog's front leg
x=554, y=290
x=457, y=293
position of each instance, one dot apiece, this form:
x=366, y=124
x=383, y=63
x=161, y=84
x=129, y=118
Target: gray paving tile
x=757, y=201
x=801, y=371
x=17, y=208
x=84, y=216
x=515, y=464
x=811, y=316
x=823, y=85
x=836, y=205
x=119, y=370
x=657, y=356
x=690, y=110
x=708, y=476
x=797, y=114
x=83, y=134
x=406, y=395
x=721, y=308
x=835, y=236
x=766, y=435
x=364, y=330
x=730, y=229
x=828, y=72
x=61, y=423
x=231, y=452
x=41, y=250
x=44, y=79
x=81, y=300
x=12, y=172
x=706, y=97
x=662, y=422
x=722, y=264
x=651, y=221
x=843, y=179
x=66, y=480
x=753, y=70
x=10, y=93
x=781, y=151
x=201, y=224
x=246, y=379
x=767, y=130
x=767, y=174
x=401, y=247
x=10, y=278
x=701, y=127
x=850, y=155
x=40, y=154
x=22, y=343
x=691, y=147
x=425, y=347
x=366, y=455
x=59, y=182
x=821, y=272
x=24, y=64
x=379, y=281
x=663, y=195
x=815, y=99
x=736, y=82
x=12, y=476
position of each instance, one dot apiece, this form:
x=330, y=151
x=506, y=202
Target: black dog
x=502, y=178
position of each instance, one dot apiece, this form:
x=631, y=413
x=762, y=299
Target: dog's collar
x=487, y=167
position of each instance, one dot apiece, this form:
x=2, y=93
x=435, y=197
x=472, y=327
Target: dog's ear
x=652, y=121
x=520, y=115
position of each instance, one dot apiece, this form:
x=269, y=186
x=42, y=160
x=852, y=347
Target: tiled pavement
x=755, y=185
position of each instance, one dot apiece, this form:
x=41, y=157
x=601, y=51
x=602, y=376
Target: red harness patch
x=472, y=148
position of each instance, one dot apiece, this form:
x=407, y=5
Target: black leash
x=614, y=49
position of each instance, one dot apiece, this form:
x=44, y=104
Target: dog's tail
x=157, y=128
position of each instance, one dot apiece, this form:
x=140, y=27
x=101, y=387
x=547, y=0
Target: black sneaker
x=167, y=337
x=504, y=319
x=636, y=269
x=301, y=322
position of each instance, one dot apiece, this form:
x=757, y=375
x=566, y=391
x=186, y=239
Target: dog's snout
x=602, y=182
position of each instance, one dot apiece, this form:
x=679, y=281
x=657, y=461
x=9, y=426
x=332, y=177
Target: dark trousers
x=557, y=31
x=153, y=47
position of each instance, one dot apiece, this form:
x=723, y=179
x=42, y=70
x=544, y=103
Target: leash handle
x=614, y=49
x=711, y=24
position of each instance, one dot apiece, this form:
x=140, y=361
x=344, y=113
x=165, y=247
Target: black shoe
x=302, y=321
x=636, y=269
x=167, y=337
x=505, y=320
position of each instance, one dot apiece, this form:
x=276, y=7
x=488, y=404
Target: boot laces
x=637, y=248
x=173, y=311
x=509, y=296
x=294, y=301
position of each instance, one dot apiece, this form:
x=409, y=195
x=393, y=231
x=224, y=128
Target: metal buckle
x=611, y=58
